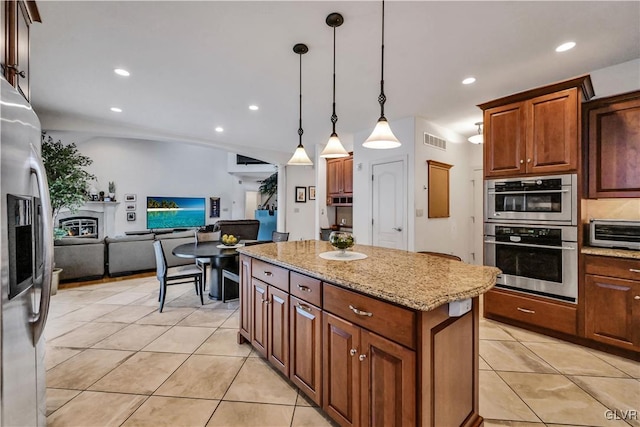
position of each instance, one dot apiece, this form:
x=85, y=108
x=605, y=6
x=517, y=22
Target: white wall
x=151, y=168
x=300, y=217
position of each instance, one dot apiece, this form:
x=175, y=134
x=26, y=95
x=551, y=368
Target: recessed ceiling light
x=116, y=109
x=219, y=129
x=121, y=72
x=254, y=107
x=468, y=80
x=565, y=46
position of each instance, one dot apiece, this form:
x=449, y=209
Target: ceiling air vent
x=434, y=141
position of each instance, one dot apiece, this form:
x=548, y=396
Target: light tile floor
x=113, y=360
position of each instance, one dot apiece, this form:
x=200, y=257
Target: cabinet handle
x=304, y=307
x=304, y=288
x=634, y=270
x=521, y=161
x=636, y=297
x=360, y=312
x=353, y=352
x=525, y=310
x=362, y=357
x=268, y=273
x=528, y=160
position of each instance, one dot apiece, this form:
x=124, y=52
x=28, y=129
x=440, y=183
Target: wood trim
x=581, y=82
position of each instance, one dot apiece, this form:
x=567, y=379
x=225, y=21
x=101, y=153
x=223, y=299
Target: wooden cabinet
x=245, y=299
x=305, y=342
x=612, y=130
x=259, y=319
x=535, y=132
x=340, y=181
x=502, y=304
x=612, y=301
x=368, y=380
x=18, y=15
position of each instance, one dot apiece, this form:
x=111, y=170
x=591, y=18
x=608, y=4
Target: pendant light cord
x=382, y=98
x=300, y=131
x=334, y=117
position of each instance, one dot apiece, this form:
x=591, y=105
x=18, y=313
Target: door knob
x=397, y=228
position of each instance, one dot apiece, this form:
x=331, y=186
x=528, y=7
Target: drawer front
x=271, y=274
x=306, y=288
x=392, y=322
x=613, y=267
x=545, y=314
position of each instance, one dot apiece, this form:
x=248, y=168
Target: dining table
x=220, y=258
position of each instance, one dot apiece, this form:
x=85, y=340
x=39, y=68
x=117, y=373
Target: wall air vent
x=244, y=160
x=434, y=141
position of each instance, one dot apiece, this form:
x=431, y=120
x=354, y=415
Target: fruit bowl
x=341, y=240
x=229, y=240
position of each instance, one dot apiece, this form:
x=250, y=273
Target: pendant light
x=334, y=148
x=477, y=139
x=300, y=157
x=382, y=137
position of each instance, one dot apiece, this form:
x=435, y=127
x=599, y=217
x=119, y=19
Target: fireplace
x=80, y=226
x=93, y=219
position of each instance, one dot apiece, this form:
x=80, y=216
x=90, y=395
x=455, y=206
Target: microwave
x=615, y=233
x=532, y=200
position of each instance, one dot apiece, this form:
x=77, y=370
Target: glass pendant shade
x=300, y=157
x=334, y=148
x=476, y=139
x=382, y=138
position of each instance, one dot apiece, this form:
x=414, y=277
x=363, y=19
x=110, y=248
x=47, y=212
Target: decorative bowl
x=341, y=240
x=229, y=240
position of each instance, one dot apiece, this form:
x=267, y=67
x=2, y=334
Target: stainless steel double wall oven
x=531, y=233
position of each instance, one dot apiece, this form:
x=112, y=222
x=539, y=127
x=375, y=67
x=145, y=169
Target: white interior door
x=389, y=201
x=251, y=202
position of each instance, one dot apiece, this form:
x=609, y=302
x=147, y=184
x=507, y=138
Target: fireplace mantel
x=104, y=211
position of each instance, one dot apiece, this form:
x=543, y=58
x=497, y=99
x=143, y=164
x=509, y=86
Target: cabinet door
x=259, y=300
x=245, y=297
x=614, y=149
x=552, y=132
x=334, y=177
x=504, y=146
x=388, y=382
x=341, y=370
x=612, y=312
x=347, y=175
x=278, y=329
x=306, y=348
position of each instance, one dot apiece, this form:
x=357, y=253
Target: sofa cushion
x=66, y=241
x=82, y=260
x=132, y=238
x=178, y=235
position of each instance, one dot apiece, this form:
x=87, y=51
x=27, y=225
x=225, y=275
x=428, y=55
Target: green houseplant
x=67, y=178
x=269, y=187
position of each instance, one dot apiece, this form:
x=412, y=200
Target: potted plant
x=269, y=187
x=112, y=191
x=68, y=182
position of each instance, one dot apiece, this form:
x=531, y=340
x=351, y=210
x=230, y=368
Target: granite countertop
x=616, y=253
x=410, y=279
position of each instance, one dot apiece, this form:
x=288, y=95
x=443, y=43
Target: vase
x=342, y=240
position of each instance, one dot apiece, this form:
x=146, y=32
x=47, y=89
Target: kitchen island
x=386, y=340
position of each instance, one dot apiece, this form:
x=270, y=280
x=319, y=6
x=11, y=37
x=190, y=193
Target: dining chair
x=203, y=263
x=278, y=236
x=178, y=275
x=442, y=255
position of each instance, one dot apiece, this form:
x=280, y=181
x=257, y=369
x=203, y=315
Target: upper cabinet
x=17, y=17
x=612, y=136
x=535, y=132
x=340, y=181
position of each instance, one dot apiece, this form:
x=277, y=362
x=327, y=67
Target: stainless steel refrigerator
x=27, y=260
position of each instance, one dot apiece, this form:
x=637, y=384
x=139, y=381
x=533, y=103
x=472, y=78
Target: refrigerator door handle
x=38, y=320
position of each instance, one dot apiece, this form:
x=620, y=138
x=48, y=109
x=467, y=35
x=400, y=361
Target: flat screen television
x=175, y=212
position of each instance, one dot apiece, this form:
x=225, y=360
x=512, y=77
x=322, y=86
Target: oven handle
x=564, y=248
x=564, y=190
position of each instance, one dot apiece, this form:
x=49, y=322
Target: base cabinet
x=270, y=318
x=305, y=341
x=612, y=301
x=380, y=377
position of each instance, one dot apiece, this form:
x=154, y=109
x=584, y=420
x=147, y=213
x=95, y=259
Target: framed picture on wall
x=130, y=206
x=129, y=197
x=131, y=216
x=214, y=207
x=312, y=192
x=301, y=194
